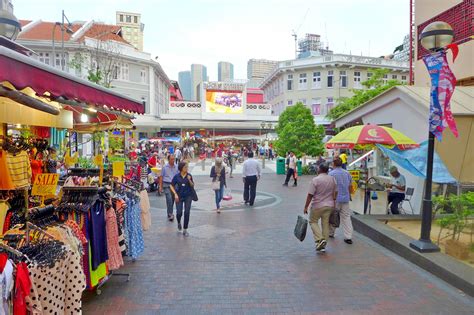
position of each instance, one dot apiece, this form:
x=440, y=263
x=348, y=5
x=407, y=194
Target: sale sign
x=45, y=184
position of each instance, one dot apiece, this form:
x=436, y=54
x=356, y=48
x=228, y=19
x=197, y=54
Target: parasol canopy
x=367, y=136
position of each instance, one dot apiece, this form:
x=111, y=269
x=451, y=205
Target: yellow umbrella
x=367, y=136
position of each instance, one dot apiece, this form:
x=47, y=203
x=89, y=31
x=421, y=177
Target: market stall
x=61, y=240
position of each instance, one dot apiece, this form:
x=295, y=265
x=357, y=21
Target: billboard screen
x=224, y=102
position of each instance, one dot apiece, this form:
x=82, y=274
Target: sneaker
x=285, y=184
x=219, y=210
x=180, y=228
x=185, y=232
x=294, y=185
x=321, y=245
x=331, y=236
x=348, y=241
x=171, y=218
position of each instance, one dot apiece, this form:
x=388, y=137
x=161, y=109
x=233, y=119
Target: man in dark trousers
x=291, y=170
x=251, y=173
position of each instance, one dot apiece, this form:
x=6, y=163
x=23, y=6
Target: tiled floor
x=247, y=261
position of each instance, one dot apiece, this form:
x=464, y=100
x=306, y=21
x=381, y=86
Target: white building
x=132, y=28
x=91, y=45
x=318, y=82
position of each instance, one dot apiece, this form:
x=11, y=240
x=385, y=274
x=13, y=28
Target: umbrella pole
x=424, y=244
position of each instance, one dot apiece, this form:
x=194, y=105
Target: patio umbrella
x=367, y=136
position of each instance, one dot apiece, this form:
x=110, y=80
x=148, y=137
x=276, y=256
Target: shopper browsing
x=182, y=187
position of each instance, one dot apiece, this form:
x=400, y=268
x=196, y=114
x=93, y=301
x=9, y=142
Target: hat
x=393, y=169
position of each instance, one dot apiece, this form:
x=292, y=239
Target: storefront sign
x=355, y=175
x=45, y=185
x=224, y=86
x=118, y=168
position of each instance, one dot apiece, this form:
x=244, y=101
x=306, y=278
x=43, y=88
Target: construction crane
x=294, y=32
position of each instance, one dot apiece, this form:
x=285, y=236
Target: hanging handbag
x=301, y=227
x=374, y=196
x=216, y=185
x=227, y=195
x=335, y=218
x=194, y=194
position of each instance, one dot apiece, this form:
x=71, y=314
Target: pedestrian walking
x=343, y=157
x=291, y=170
x=397, y=193
x=344, y=181
x=251, y=172
x=182, y=187
x=167, y=174
x=218, y=182
x=321, y=195
x=178, y=154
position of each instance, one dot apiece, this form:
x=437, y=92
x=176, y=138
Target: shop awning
x=22, y=71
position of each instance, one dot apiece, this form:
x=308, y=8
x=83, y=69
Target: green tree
x=373, y=87
x=297, y=132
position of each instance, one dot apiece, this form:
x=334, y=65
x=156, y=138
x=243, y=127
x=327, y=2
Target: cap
x=393, y=169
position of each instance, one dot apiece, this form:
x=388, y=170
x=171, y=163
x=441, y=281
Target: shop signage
x=45, y=184
x=118, y=168
x=224, y=86
x=355, y=175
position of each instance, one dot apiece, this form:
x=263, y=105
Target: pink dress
x=113, y=249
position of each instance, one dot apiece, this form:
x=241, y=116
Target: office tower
x=198, y=75
x=132, y=28
x=311, y=45
x=258, y=69
x=184, y=80
x=225, y=71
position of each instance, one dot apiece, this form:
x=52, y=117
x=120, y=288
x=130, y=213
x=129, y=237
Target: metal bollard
x=203, y=164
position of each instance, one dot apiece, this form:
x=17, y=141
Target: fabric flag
x=443, y=82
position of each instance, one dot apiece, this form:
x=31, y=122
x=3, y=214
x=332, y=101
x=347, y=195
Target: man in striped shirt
x=344, y=182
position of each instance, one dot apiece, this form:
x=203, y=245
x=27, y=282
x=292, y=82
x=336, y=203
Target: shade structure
x=367, y=136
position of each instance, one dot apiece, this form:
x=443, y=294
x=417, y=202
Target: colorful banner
x=224, y=102
x=442, y=88
x=45, y=184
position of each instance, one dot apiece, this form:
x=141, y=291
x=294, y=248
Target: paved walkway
x=246, y=261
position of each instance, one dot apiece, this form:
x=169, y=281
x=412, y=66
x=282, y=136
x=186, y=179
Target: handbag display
x=335, y=218
x=301, y=227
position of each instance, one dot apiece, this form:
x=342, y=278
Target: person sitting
x=397, y=193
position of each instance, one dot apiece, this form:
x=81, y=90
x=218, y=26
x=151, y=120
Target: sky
x=182, y=32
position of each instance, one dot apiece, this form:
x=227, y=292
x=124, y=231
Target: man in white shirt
x=251, y=173
x=291, y=170
x=178, y=154
x=397, y=193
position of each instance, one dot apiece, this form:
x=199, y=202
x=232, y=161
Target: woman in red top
x=36, y=164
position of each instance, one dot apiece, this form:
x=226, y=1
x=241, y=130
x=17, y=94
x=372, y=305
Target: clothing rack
x=83, y=172
x=12, y=250
x=38, y=231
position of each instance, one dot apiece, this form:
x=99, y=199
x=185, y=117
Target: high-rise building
x=132, y=28
x=311, y=45
x=258, y=69
x=198, y=75
x=225, y=71
x=185, y=84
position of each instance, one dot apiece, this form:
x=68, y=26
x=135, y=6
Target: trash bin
x=299, y=167
x=281, y=166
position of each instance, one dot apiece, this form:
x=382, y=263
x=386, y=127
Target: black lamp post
x=434, y=37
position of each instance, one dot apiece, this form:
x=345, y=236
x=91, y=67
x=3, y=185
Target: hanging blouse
x=134, y=230
x=6, y=282
x=97, y=236
x=20, y=169
x=6, y=182
x=145, y=210
x=113, y=248
x=22, y=289
x=4, y=206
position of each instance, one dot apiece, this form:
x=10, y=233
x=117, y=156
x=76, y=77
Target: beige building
x=319, y=81
x=258, y=69
x=459, y=14
x=132, y=28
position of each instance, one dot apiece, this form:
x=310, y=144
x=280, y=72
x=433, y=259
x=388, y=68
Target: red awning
x=22, y=71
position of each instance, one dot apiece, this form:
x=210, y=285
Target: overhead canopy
x=22, y=72
x=414, y=161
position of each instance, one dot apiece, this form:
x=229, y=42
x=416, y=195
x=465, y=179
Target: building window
x=143, y=76
x=343, y=79
x=369, y=75
x=121, y=17
x=394, y=77
x=290, y=102
x=316, y=106
x=57, y=61
x=329, y=104
x=330, y=78
x=316, y=80
x=124, y=72
x=303, y=82
x=135, y=19
x=289, y=82
x=129, y=19
x=385, y=78
x=404, y=79
x=357, y=79
x=44, y=58
x=302, y=101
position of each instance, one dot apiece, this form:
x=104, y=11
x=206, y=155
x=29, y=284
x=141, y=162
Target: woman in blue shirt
x=182, y=188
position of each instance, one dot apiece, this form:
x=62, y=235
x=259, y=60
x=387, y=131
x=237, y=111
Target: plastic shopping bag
x=227, y=194
x=301, y=227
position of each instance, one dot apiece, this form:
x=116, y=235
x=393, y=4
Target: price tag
x=355, y=175
x=45, y=185
x=118, y=168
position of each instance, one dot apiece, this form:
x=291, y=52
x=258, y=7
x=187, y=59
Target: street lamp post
x=66, y=29
x=434, y=37
x=9, y=25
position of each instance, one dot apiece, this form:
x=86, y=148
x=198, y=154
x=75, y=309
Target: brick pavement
x=248, y=262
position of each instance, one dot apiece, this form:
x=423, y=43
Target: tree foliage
x=297, y=132
x=372, y=87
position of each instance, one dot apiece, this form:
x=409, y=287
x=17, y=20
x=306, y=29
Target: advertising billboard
x=224, y=102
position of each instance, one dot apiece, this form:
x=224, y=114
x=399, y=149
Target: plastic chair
x=408, y=195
